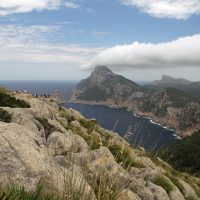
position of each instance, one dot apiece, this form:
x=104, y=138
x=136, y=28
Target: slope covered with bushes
x=185, y=154
x=6, y=100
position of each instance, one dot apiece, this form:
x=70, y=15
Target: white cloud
x=8, y=7
x=183, y=52
x=177, y=9
x=30, y=44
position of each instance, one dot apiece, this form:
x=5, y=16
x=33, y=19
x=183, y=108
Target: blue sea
x=140, y=131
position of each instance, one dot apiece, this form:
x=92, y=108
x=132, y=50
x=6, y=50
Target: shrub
x=65, y=115
x=90, y=125
x=5, y=116
x=7, y=100
x=48, y=128
x=124, y=157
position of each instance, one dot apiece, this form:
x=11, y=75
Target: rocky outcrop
x=71, y=161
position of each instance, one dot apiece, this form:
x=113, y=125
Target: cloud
x=8, y=7
x=177, y=9
x=30, y=44
x=183, y=52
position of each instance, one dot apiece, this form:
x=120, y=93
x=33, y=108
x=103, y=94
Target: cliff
x=167, y=106
x=68, y=155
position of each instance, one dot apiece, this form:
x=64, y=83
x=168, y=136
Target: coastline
x=127, y=109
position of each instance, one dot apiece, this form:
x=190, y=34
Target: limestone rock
x=187, y=190
x=159, y=192
x=128, y=195
x=23, y=160
x=62, y=143
x=24, y=117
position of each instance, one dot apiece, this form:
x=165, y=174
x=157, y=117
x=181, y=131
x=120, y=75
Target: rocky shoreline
x=135, y=114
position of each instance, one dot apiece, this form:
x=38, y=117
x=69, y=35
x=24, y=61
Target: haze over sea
x=139, y=130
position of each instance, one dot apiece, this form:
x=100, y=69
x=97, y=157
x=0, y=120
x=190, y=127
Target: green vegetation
x=122, y=155
x=178, y=97
x=48, y=128
x=96, y=137
x=164, y=183
x=5, y=116
x=7, y=100
x=19, y=193
x=65, y=115
x=93, y=93
x=103, y=189
x=184, y=155
x=88, y=124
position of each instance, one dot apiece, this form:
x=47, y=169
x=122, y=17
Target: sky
x=66, y=39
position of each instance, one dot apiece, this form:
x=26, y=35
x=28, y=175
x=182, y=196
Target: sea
x=139, y=131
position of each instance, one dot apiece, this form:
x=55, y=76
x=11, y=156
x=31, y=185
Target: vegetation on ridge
x=6, y=100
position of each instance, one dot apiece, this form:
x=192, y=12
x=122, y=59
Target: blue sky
x=65, y=40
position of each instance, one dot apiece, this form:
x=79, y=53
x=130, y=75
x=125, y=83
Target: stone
x=187, y=190
x=128, y=195
x=63, y=143
x=158, y=192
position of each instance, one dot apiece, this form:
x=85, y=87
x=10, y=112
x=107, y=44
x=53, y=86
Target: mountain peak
x=102, y=68
x=166, y=77
x=102, y=85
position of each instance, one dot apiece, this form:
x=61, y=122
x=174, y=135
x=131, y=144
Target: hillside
x=169, y=106
x=184, y=155
x=55, y=153
x=189, y=87
x=168, y=81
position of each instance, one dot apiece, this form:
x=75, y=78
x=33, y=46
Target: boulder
x=64, y=143
x=24, y=161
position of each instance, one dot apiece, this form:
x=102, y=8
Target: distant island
x=167, y=105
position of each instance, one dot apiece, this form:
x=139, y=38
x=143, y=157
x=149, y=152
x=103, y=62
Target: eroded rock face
x=23, y=160
x=25, y=118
